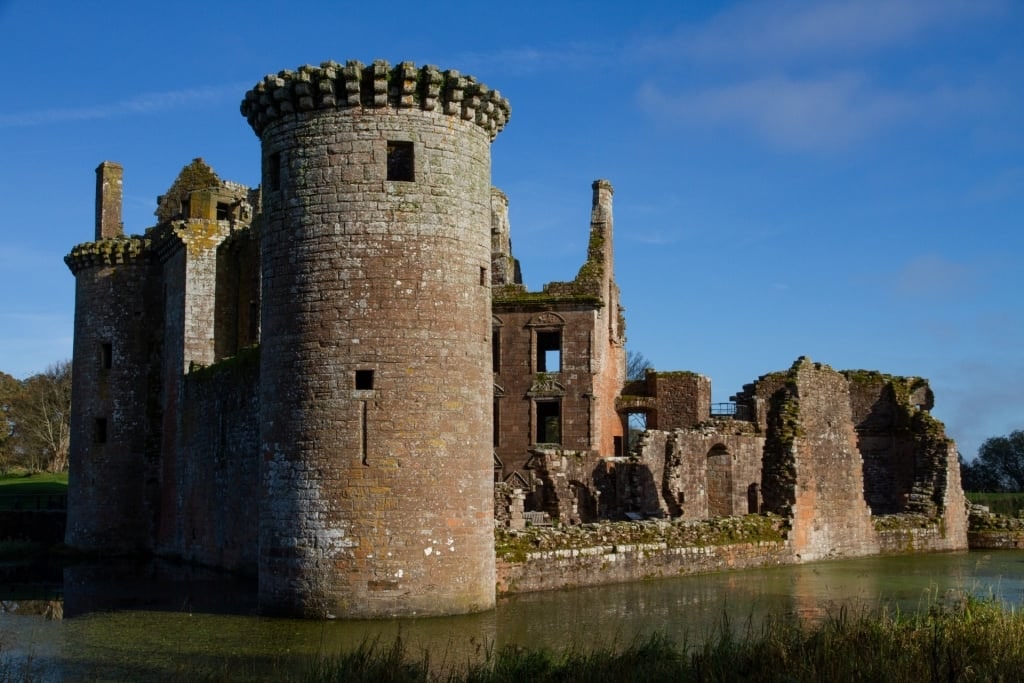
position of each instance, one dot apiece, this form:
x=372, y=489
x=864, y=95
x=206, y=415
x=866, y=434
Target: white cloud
x=827, y=112
x=783, y=31
x=932, y=275
x=139, y=104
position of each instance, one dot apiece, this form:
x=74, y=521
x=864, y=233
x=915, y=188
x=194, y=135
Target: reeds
x=973, y=641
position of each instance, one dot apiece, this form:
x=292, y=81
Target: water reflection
x=159, y=621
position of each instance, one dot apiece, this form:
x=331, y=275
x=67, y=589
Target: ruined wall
x=813, y=470
x=237, y=293
x=217, y=473
x=571, y=406
x=375, y=379
x=521, y=387
x=683, y=399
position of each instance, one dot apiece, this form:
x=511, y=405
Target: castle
x=337, y=381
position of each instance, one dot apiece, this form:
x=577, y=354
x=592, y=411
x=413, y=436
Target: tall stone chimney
x=109, y=190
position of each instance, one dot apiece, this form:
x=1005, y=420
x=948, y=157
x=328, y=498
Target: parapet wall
x=405, y=86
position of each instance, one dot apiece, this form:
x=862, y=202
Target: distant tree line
x=999, y=466
x=35, y=420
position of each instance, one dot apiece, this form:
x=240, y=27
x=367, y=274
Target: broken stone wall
x=683, y=399
x=813, y=470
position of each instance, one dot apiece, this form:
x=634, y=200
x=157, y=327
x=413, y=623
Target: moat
x=156, y=623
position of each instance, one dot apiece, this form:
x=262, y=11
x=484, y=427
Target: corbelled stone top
x=107, y=253
x=379, y=85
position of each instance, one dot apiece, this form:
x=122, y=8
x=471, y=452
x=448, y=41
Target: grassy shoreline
x=973, y=641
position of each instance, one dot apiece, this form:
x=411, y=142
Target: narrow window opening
x=483, y=276
x=496, y=349
x=364, y=380
x=106, y=355
x=549, y=351
x=549, y=421
x=362, y=433
x=274, y=171
x=99, y=430
x=497, y=423
x=223, y=211
x=401, y=164
x=618, y=446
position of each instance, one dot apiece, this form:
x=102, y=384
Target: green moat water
x=155, y=626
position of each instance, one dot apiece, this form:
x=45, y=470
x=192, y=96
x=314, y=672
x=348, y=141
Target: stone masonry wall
x=218, y=469
x=814, y=433
x=599, y=565
x=376, y=380
x=110, y=426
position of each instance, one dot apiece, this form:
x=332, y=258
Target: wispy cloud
x=780, y=32
x=827, y=112
x=932, y=275
x=812, y=76
x=145, y=103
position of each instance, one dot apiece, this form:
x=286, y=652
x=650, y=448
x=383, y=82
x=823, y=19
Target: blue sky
x=837, y=179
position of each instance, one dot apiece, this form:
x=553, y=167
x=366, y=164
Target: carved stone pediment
x=546, y=319
x=546, y=385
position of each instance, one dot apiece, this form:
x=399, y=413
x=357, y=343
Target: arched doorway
x=719, y=477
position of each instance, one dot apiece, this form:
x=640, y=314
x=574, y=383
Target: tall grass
x=976, y=641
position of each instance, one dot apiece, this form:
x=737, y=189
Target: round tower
x=376, y=381
x=106, y=510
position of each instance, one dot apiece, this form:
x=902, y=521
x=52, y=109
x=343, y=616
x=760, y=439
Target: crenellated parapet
x=379, y=85
x=107, y=253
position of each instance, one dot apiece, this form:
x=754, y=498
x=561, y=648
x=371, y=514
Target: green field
x=32, y=491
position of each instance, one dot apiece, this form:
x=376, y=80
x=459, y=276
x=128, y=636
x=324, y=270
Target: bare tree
x=636, y=365
x=40, y=417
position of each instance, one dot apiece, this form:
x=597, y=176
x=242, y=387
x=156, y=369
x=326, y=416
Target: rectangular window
x=549, y=351
x=401, y=163
x=497, y=423
x=223, y=211
x=106, y=356
x=99, y=430
x=549, y=421
x=364, y=380
x=274, y=171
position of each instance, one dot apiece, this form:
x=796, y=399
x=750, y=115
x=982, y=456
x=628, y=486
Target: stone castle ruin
x=338, y=382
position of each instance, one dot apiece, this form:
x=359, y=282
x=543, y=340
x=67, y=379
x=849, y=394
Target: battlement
x=106, y=253
x=377, y=86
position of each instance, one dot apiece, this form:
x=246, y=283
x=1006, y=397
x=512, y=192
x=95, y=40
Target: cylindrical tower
x=376, y=381
x=106, y=503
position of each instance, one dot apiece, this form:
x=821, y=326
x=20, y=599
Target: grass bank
x=20, y=489
x=999, y=503
x=975, y=641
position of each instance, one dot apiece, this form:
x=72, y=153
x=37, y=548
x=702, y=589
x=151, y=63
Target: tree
x=39, y=417
x=10, y=388
x=636, y=365
x=999, y=465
